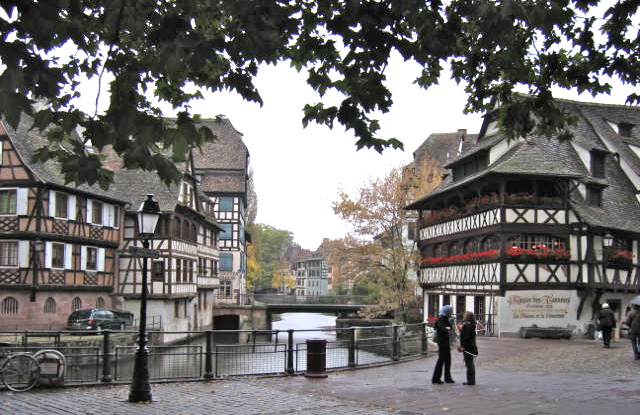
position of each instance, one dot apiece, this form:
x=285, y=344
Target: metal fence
x=109, y=356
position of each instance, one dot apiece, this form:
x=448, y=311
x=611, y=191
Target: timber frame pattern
x=537, y=214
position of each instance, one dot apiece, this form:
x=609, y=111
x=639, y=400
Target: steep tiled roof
x=444, y=147
x=539, y=156
x=223, y=164
x=129, y=186
x=26, y=141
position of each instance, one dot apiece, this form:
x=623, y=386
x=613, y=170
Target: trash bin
x=53, y=366
x=316, y=358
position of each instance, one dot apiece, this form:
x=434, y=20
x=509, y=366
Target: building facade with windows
x=535, y=231
x=183, y=281
x=65, y=247
x=312, y=275
x=58, y=242
x=222, y=169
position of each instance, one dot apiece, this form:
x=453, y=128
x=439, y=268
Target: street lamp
x=140, y=391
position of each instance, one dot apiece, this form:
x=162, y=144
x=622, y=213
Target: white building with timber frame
x=537, y=232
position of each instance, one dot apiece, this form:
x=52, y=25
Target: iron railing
x=109, y=356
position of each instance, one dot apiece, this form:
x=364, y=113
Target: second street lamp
x=140, y=391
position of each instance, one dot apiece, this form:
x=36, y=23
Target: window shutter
x=108, y=213
x=22, y=201
x=89, y=211
x=67, y=256
x=83, y=258
x=47, y=255
x=23, y=254
x=100, y=266
x=52, y=203
x=72, y=207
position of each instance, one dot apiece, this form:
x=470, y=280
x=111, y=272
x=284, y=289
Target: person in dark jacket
x=443, y=329
x=606, y=323
x=468, y=345
x=633, y=321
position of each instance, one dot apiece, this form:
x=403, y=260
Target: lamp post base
x=140, y=390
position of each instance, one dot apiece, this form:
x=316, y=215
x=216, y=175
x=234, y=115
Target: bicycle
x=19, y=371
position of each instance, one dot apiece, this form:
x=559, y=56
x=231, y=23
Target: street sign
x=144, y=252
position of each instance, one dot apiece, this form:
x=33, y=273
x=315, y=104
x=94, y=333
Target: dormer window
x=625, y=129
x=597, y=163
x=594, y=196
x=470, y=166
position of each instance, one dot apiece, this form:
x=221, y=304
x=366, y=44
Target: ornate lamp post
x=140, y=391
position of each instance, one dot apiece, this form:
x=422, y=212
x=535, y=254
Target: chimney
x=463, y=133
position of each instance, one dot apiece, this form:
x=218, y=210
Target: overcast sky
x=298, y=171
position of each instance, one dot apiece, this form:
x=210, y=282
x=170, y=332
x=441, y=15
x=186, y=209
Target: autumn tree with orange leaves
x=378, y=253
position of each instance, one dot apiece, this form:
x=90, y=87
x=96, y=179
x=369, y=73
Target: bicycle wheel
x=20, y=372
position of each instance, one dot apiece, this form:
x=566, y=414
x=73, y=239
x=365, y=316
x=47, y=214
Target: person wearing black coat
x=468, y=345
x=442, y=329
x=606, y=323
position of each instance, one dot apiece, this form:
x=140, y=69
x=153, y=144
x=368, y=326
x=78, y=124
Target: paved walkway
x=515, y=376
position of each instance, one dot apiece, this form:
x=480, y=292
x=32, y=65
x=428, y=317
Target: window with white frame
x=62, y=205
x=61, y=209
x=92, y=258
x=57, y=255
x=8, y=201
x=9, y=253
x=225, y=288
x=96, y=212
x=76, y=304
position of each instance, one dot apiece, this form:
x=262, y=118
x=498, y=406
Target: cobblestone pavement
x=515, y=376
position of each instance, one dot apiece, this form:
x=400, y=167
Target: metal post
x=140, y=390
x=290, y=369
x=208, y=356
x=106, y=357
x=425, y=343
x=395, y=352
x=352, y=347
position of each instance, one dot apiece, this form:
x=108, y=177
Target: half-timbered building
x=183, y=281
x=535, y=231
x=222, y=168
x=58, y=242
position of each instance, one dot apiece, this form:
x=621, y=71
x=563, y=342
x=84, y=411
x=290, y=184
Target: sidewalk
x=515, y=376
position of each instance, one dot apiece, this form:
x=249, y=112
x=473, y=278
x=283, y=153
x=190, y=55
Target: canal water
x=306, y=325
x=249, y=358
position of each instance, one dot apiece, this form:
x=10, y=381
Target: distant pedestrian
x=468, y=345
x=443, y=331
x=633, y=322
x=606, y=324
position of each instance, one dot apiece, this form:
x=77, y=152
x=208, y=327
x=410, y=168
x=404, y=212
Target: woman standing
x=468, y=345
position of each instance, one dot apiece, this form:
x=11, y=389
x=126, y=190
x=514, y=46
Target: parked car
x=127, y=316
x=95, y=320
